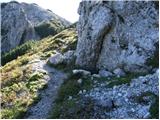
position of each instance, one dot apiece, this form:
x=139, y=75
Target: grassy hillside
x=49, y=28
x=19, y=82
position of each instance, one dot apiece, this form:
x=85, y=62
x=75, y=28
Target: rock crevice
x=91, y=34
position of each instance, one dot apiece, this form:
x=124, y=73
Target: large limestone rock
x=116, y=35
x=19, y=21
x=56, y=59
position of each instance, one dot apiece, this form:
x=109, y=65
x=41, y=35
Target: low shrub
x=154, y=109
x=18, y=51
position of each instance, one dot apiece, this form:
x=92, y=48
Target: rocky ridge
x=19, y=21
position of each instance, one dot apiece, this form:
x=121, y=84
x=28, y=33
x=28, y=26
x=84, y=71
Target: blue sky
x=64, y=8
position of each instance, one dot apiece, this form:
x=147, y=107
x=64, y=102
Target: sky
x=64, y=8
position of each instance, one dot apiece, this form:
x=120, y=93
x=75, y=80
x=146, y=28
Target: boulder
x=79, y=81
x=80, y=71
x=104, y=73
x=56, y=59
x=96, y=75
x=119, y=72
x=69, y=56
x=107, y=103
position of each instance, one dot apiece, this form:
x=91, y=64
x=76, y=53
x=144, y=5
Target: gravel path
x=55, y=79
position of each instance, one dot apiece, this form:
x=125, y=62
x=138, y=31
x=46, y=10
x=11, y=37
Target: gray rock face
x=15, y=27
x=19, y=20
x=116, y=34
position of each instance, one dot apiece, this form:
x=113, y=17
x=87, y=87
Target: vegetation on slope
x=68, y=103
x=154, y=108
x=49, y=28
x=154, y=60
x=20, y=84
x=71, y=104
x=18, y=51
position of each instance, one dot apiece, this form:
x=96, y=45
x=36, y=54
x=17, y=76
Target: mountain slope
x=22, y=22
x=45, y=79
x=22, y=78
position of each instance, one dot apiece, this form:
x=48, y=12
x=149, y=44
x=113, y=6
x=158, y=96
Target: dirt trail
x=55, y=78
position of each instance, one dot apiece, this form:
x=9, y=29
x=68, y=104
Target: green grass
x=15, y=105
x=19, y=85
x=154, y=60
x=73, y=109
x=140, y=99
x=70, y=87
x=115, y=81
x=16, y=112
x=154, y=109
x=18, y=51
x=71, y=46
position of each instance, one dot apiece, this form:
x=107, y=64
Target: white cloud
x=64, y=8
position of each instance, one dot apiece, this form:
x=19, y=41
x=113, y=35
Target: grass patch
x=73, y=109
x=140, y=99
x=17, y=97
x=154, y=109
x=115, y=81
x=120, y=81
x=70, y=46
x=154, y=60
x=36, y=82
x=18, y=51
x=70, y=87
x=13, y=113
x=19, y=84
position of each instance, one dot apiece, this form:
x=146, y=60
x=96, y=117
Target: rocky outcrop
x=115, y=35
x=19, y=21
x=126, y=101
